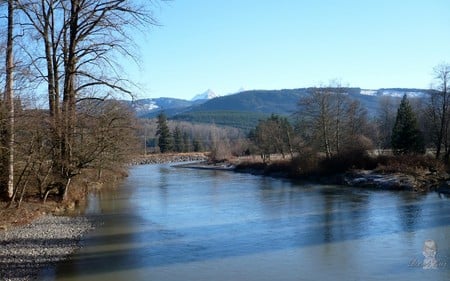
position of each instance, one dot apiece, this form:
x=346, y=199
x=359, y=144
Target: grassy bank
x=415, y=172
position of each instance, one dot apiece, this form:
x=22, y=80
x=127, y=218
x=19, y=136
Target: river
x=167, y=223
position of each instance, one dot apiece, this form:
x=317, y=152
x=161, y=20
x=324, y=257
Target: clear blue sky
x=266, y=44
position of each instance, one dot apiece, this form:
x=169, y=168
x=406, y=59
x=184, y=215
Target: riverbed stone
x=28, y=249
x=394, y=181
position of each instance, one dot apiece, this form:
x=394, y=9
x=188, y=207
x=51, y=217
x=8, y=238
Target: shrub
x=348, y=160
x=304, y=163
x=409, y=164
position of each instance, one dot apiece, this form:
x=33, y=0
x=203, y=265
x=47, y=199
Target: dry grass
x=28, y=211
x=410, y=164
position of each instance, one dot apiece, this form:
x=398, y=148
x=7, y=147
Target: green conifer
x=406, y=136
x=163, y=131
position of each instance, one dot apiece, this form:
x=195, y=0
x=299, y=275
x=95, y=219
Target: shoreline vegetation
x=39, y=235
x=417, y=173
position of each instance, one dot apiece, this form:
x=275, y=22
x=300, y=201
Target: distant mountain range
x=244, y=109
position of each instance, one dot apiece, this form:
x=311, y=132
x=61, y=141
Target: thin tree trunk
x=66, y=189
x=9, y=100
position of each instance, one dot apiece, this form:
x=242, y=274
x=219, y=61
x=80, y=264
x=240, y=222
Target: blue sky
x=266, y=44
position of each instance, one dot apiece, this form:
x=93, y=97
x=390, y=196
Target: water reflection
x=178, y=224
x=410, y=210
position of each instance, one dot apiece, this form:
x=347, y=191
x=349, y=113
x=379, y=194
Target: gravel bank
x=169, y=158
x=26, y=250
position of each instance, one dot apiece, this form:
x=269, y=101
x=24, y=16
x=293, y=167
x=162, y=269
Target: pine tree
x=406, y=137
x=186, y=145
x=165, y=139
x=177, y=140
x=197, y=146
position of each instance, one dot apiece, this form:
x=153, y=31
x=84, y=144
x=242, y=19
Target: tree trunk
x=66, y=189
x=69, y=94
x=9, y=101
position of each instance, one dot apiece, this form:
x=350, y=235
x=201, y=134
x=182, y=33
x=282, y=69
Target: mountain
x=244, y=109
x=285, y=102
x=209, y=94
x=263, y=101
x=148, y=108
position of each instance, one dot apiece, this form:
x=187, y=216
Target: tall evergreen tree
x=186, y=144
x=196, y=145
x=177, y=140
x=164, y=139
x=406, y=136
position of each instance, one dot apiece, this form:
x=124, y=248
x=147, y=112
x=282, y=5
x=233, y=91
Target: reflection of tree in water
x=410, y=211
x=328, y=218
x=272, y=191
x=162, y=181
x=343, y=218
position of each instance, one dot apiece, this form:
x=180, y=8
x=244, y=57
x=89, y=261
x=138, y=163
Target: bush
x=304, y=163
x=251, y=166
x=348, y=160
x=409, y=164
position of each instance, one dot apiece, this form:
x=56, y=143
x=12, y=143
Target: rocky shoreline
x=169, y=158
x=28, y=249
x=421, y=182
x=395, y=181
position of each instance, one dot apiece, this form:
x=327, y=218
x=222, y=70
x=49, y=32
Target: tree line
x=330, y=123
x=67, y=49
x=176, y=141
x=165, y=135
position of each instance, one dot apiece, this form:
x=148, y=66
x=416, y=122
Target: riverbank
x=38, y=235
x=161, y=158
x=26, y=250
x=390, y=175
x=418, y=179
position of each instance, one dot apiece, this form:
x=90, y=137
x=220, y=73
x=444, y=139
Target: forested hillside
x=243, y=110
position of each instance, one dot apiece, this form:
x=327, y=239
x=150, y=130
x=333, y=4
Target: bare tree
x=439, y=108
x=385, y=121
x=77, y=42
x=273, y=135
x=316, y=118
x=330, y=120
x=105, y=135
x=8, y=101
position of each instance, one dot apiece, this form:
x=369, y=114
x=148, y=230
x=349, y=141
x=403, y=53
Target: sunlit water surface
x=169, y=223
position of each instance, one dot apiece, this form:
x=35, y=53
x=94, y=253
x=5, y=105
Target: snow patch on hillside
x=369, y=92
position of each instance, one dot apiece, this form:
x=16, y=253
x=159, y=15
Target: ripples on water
x=180, y=224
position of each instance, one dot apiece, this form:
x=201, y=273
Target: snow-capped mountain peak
x=209, y=94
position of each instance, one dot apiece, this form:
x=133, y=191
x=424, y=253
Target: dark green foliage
x=262, y=101
x=177, y=140
x=196, y=145
x=406, y=137
x=237, y=119
x=165, y=139
x=186, y=143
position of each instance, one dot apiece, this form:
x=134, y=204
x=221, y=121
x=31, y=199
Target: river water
x=167, y=223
